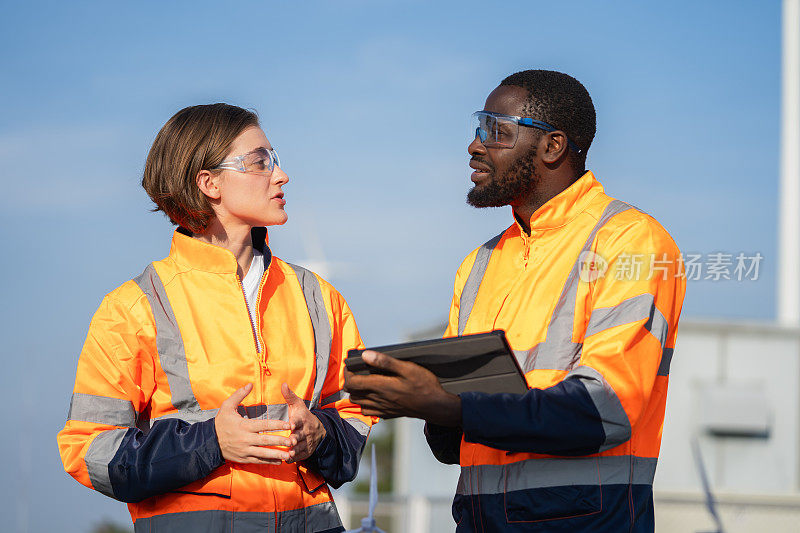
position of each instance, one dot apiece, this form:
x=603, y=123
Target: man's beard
x=515, y=184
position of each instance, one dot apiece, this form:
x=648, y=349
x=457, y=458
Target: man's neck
x=558, y=183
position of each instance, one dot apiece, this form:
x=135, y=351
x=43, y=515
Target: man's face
x=504, y=176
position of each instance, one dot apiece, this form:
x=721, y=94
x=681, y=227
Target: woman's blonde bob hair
x=195, y=138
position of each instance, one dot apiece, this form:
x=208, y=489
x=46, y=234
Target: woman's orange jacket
x=167, y=348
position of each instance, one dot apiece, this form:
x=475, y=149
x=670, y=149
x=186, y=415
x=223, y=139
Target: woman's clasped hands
x=244, y=440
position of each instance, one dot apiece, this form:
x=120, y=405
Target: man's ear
x=556, y=146
x=208, y=184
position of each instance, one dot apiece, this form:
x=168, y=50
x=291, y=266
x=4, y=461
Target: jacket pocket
x=218, y=483
x=553, y=495
x=312, y=480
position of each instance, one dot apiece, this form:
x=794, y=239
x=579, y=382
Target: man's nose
x=476, y=147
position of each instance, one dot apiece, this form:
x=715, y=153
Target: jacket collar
x=193, y=253
x=566, y=205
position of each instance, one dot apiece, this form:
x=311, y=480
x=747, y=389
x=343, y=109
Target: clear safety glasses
x=259, y=161
x=496, y=130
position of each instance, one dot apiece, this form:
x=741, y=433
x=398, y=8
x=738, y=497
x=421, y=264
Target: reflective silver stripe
x=100, y=453
x=278, y=411
x=552, y=355
x=207, y=521
x=319, y=517
x=169, y=343
x=191, y=417
x=335, y=397
x=323, y=339
x=666, y=360
x=521, y=356
x=470, y=290
x=632, y=310
x=558, y=352
x=101, y=410
x=616, y=425
x=541, y=473
x=359, y=425
x=626, y=312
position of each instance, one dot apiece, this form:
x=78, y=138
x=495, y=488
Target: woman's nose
x=279, y=177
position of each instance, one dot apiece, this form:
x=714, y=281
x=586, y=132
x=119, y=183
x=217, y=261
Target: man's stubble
x=514, y=185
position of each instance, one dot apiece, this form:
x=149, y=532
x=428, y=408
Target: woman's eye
x=260, y=164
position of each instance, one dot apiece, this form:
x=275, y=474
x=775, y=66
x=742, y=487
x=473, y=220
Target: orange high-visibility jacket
x=167, y=348
x=590, y=302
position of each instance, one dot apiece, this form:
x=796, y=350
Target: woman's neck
x=236, y=240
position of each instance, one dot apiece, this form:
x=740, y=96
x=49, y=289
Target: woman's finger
x=268, y=454
x=273, y=440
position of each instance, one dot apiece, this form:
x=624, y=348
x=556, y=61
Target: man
x=589, y=290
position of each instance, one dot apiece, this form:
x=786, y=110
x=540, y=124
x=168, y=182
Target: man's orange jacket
x=590, y=302
x=167, y=348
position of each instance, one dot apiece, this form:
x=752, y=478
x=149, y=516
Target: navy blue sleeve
x=559, y=420
x=172, y=454
x=444, y=442
x=337, y=456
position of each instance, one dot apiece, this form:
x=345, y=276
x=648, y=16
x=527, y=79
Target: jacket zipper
x=262, y=364
x=247, y=310
x=526, y=241
x=257, y=329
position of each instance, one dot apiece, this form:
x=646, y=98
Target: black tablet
x=482, y=362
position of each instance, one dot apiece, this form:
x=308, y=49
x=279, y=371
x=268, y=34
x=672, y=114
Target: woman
x=208, y=392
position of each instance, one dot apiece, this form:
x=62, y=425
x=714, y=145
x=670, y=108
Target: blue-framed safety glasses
x=259, y=161
x=496, y=130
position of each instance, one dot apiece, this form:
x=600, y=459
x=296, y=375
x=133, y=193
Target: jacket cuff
x=444, y=442
x=327, y=445
x=472, y=420
x=210, y=452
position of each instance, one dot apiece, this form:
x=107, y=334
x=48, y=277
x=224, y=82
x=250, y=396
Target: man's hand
x=411, y=391
x=241, y=440
x=307, y=430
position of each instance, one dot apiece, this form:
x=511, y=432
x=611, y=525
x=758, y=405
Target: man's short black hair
x=561, y=101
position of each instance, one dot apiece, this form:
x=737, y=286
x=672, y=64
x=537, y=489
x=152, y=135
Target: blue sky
x=368, y=104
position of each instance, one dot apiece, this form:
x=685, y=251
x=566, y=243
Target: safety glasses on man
x=496, y=130
x=259, y=161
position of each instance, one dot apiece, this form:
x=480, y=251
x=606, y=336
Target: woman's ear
x=208, y=184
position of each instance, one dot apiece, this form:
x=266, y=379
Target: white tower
x=789, y=231
x=788, y=287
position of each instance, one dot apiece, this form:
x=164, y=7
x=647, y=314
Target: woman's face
x=244, y=197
